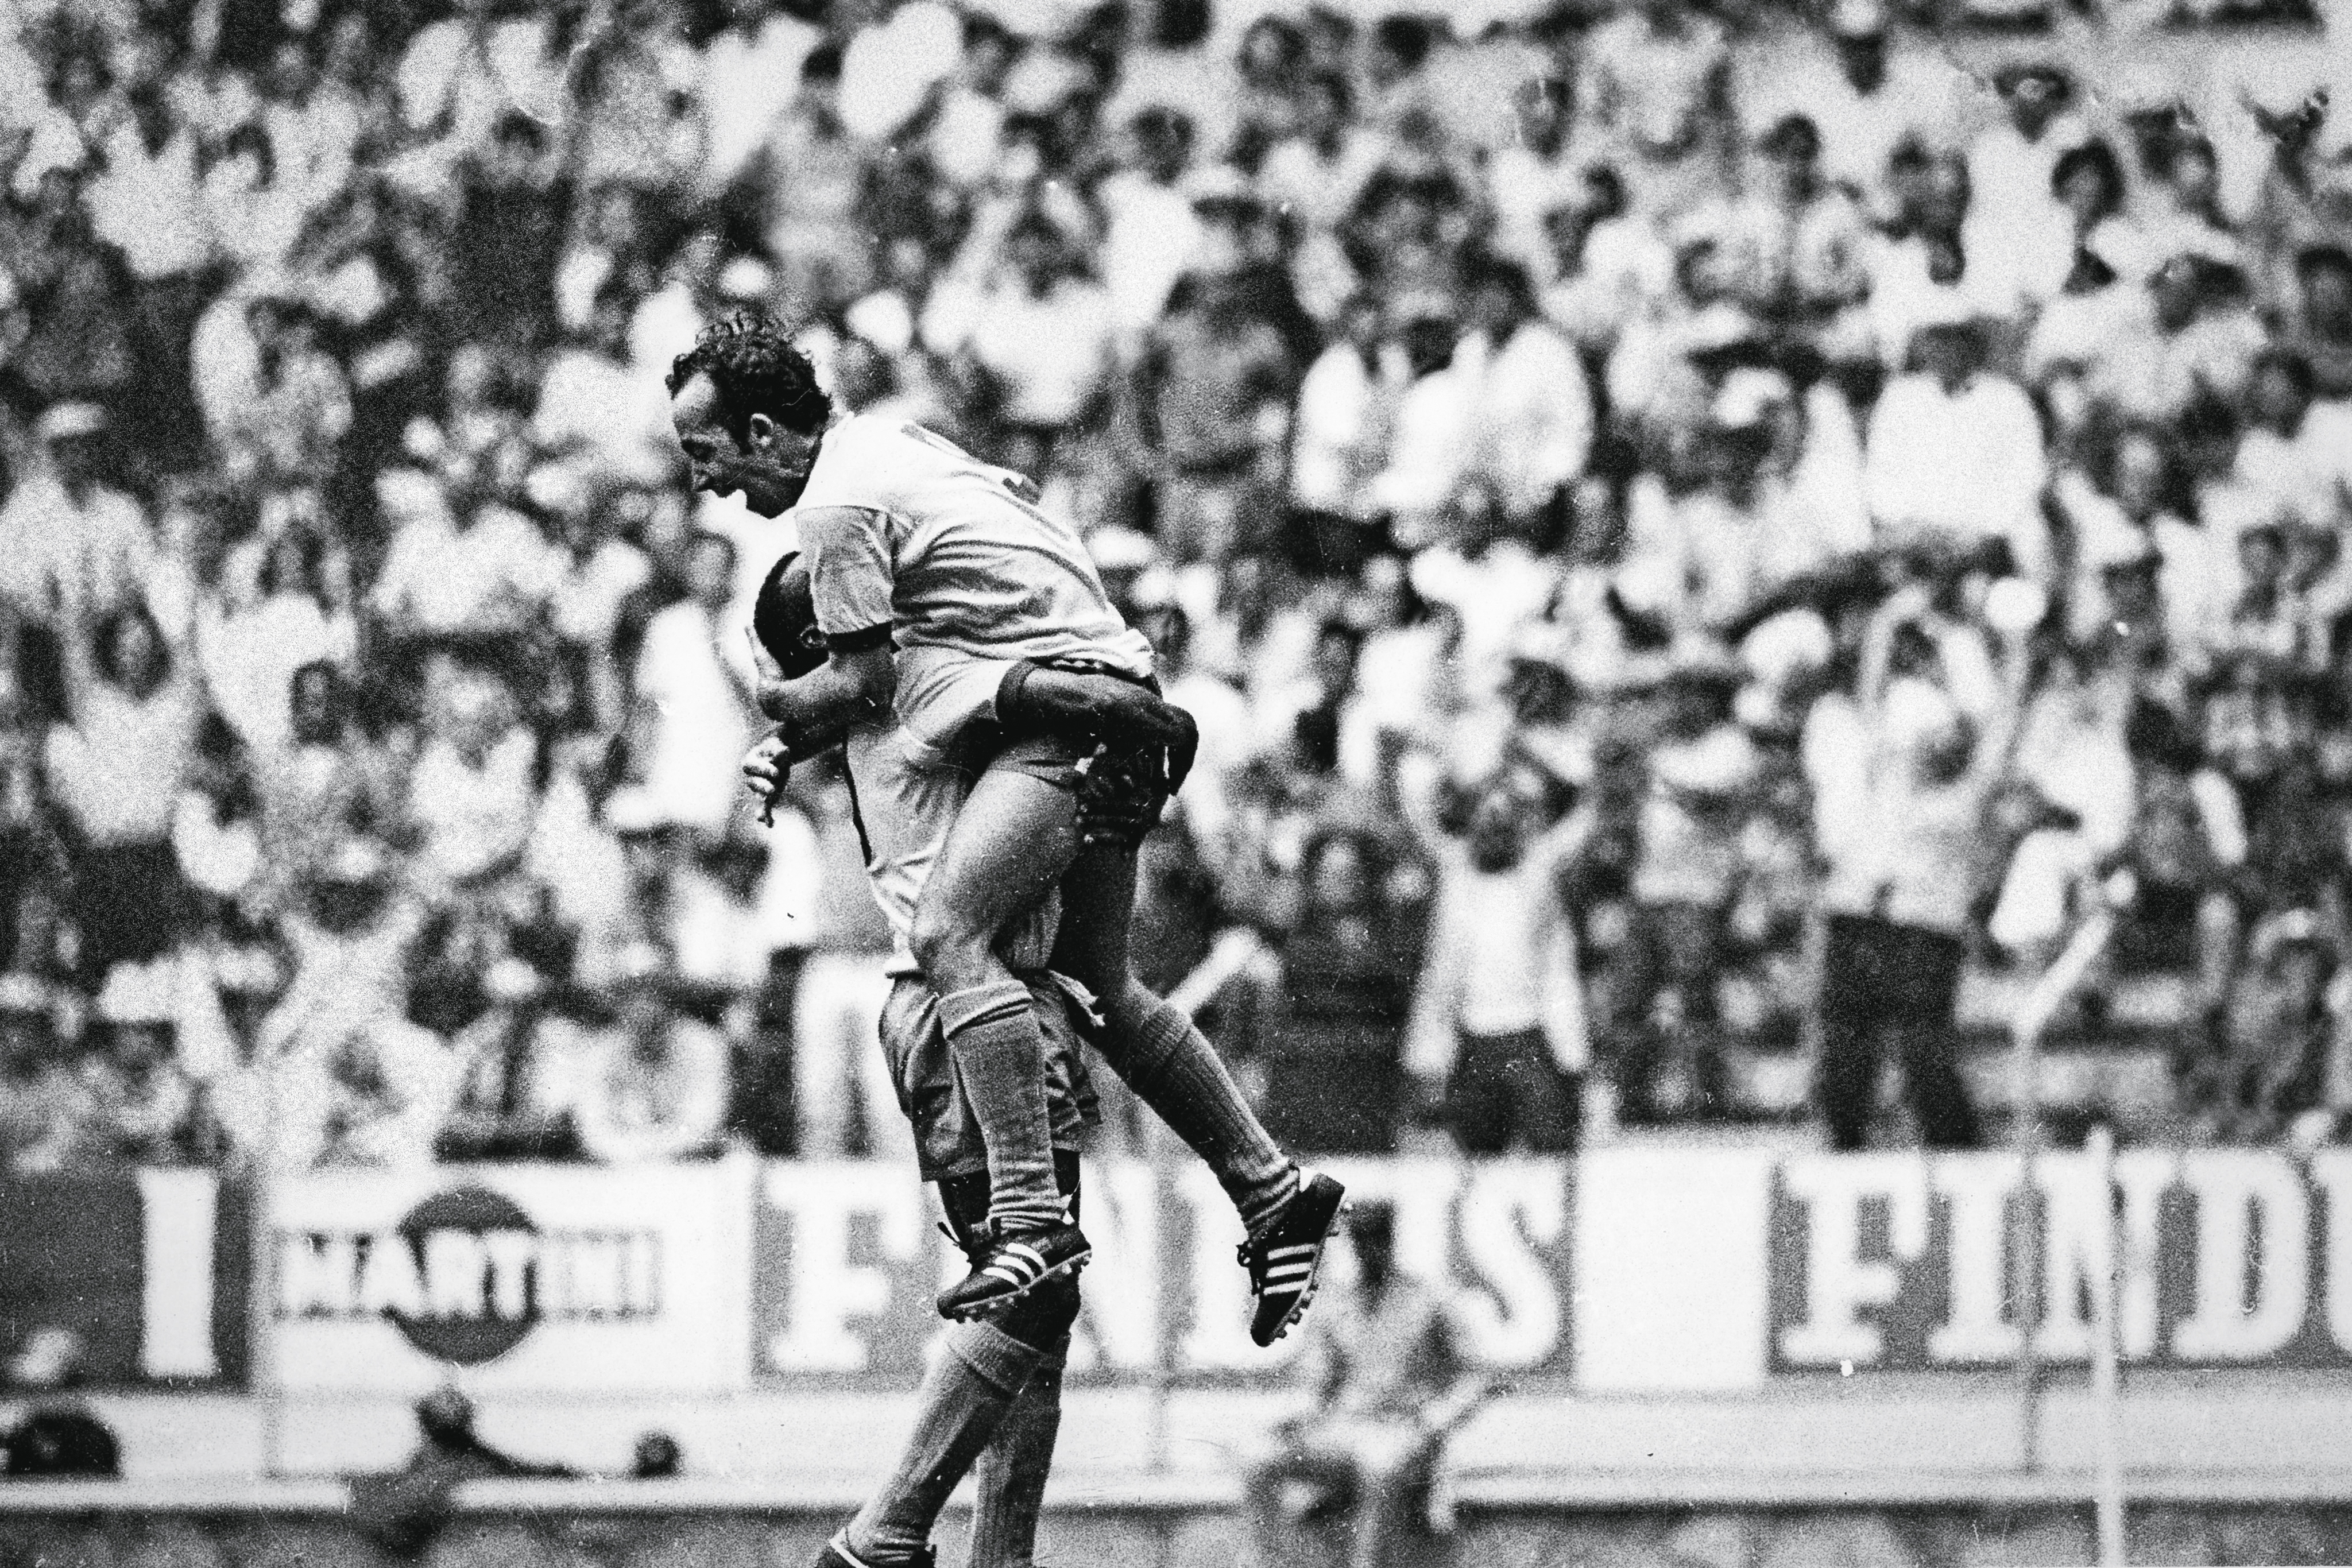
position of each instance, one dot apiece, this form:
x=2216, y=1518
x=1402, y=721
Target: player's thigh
x=1097, y=918
x=1013, y=838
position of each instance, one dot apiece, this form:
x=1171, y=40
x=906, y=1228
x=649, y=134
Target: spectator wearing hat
x=64, y=528
x=1702, y=774
x=654, y=1084
x=1531, y=421
x=1212, y=393
x=1658, y=90
x=46, y=1108
x=144, y=1105
x=1956, y=450
x=2010, y=162
x=519, y=1069
x=1902, y=851
x=2189, y=332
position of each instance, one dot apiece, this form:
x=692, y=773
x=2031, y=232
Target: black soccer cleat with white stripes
x=1008, y=1267
x=1285, y=1259
x=835, y=1553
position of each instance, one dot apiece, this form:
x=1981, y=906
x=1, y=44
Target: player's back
x=975, y=564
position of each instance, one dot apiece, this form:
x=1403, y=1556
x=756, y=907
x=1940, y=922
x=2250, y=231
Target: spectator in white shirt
x=693, y=683
x=1902, y=854
x=133, y=703
x=1427, y=456
x=472, y=794
x=1316, y=175
x=1498, y=1030
x=1956, y=450
x=1536, y=175
x=654, y=1086
x=64, y=529
x=1041, y=331
x=458, y=564
x=1347, y=408
x=1531, y=422
x=1151, y=233
x=2010, y=163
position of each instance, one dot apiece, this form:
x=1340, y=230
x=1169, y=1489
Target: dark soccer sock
x=1010, y=1475
x=999, y=1058
x=965, y=1396
x=1176, y=1071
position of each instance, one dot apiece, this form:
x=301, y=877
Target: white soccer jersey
x=905, y=529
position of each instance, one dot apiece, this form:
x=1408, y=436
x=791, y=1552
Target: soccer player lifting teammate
x=945, y=600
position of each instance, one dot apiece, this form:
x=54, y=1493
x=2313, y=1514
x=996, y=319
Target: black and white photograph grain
x=1175, y=783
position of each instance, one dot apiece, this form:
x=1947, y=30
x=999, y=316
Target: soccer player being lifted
x=942, y=594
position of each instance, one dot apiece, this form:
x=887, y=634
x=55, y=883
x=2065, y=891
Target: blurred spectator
x=1704, y=773
x=401, y=1512
x=65, y=529
x=1383, y=1366
x=1497, y=1035
x=143, y=1110
x=1212, y=389
x=133, y=702
x=693, y=686
x=654, y=1085
x=1323, y=1018
x=1900, y=857
x=45, y=1104
x=519, y=1066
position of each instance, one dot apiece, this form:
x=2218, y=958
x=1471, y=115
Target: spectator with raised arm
x=1902, y=850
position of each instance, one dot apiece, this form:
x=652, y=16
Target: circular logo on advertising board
x=471, y=1315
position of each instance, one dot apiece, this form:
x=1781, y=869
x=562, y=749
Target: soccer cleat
x=1007, y=1268
x=835, y=1553
x=1284, y=1257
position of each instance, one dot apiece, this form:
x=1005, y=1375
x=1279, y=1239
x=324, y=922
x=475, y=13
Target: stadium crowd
x=1672, y=569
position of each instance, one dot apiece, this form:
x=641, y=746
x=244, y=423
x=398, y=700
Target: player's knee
x=1045, y=1315
x=951, y=946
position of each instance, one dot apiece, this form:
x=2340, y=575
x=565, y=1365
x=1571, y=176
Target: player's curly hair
x=753, y=364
